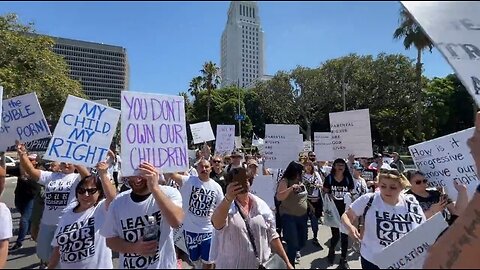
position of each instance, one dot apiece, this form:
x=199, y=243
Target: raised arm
x=84, y=172
x=26, y=163
x=219, y=217
x=108, y=187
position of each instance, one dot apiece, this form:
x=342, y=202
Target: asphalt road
x=25, y=258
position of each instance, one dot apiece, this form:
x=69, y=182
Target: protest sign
x=84, y=133
x=323, y=146
x=282, y=145
x=225, y=139
x=351, y=133
x=410, y=251
x=446, y=159
x=202, y=132
x=307, y=146
x=23, y=120
x=238, y=142
x=153, y=130
x=40, y=145
x=264, y=186
x=453, y=27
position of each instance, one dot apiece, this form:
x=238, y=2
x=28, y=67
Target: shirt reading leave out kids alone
x=200, y=200
x=126, y=220
x=80, y=243
x=384, y=223
x=59, y=192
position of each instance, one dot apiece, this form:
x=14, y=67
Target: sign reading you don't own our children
x=153, y=130
x=83, y=133
x=23, y=120
x=447, y=159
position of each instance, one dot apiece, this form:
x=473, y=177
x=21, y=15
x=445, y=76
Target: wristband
x=228, y=200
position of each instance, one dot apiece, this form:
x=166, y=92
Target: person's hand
x=102, y=168
x=151, y=174
x=351, y=158
x=440, y=206
x=289, y=265
x=354, y=233
x=233, y=189
x=21, y=149
x=145, y=248
x=459, y=187
x=474, y=141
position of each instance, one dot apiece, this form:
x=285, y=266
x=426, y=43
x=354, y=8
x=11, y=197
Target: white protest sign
x=202, y=132
x=323, y=146
x=83, y=133
x=282, y=129
x=454, y=29
x=225, y=139
x=153, y=130
x=23, y=120
x=307, y=146
x=446, y=159
x=264, y=186
x=410, y=251
x=282, y=145
x=238, y=142
x=351, y=133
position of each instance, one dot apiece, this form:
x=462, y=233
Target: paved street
x=312, y=257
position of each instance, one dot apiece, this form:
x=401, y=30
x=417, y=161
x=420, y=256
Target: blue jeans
x=25, y=210
x=313, y=222
x=294, y=233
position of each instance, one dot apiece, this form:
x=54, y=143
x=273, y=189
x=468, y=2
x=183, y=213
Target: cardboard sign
x=351, y=133
x=410, y=251
x=225, y=139
x=83, y=133
x=264, y=186
x=282, y=145
x=153, y=130
x=446, y=159
x=202, y=132
x=23, y=120
x=323, y=146
x=454, y=29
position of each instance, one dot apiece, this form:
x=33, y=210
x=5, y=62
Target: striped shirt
x=231, y=247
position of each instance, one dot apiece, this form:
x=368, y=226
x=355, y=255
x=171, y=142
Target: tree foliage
x=28, y=64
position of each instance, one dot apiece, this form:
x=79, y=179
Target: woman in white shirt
x=388, y=215
x=313, y=183
x=5, y=221
x=77, y=242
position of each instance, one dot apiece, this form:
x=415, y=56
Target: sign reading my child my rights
x=83, y=133
x=153, y=130
x=446, y=159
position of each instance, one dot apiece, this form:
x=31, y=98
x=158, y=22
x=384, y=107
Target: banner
x=153, y=130
x=202, y=132
x=83, y=133
x=265, y=187
x=410, y=251
x=23, y=120
x=351, y=133
x=323, y=146
x=453, y=28
x=225, y=142
x=446, y=159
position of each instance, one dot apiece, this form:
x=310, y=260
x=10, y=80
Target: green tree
x=413, y=35
x=28, y=64
x=211, y=80
x=195, y=86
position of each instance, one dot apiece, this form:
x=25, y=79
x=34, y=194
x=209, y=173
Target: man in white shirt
x=236, y=161
x=201, y=195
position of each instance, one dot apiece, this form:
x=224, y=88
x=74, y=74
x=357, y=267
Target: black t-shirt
x=338, y=189
x=220, y=179
x=26, y=189
x=426, y=203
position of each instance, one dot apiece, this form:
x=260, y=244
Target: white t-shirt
x=360, y=188
x=59, y=192
x=5, y=222
x=78, y=238
x=313, y=180
x=126, y=220
x=384, y=223
x=199, y=201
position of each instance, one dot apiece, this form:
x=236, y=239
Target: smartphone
x=239, y=175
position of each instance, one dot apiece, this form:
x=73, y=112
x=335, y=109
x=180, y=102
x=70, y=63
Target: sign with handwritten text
x=225, y=139
x=153, y=130
x=453, y=26
x=23, y=120
x=323, y=146
x=83, y=133
x=282, y=145
x=202, y=132
x=264, y=186
x=351, y=133
x=446, y=159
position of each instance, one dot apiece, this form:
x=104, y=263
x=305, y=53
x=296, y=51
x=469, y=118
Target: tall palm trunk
x=208, y=103
x=419, y=93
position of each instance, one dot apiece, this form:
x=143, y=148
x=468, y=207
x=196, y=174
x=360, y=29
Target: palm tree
x=412, y=34
x=211, y=80
x=195, y=86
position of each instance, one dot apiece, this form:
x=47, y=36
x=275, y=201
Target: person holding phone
x=292, y=194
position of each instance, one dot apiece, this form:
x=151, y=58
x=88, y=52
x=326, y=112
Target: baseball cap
x=235, y=154
x=252, y=162
x=358, y=167
x=32, y=156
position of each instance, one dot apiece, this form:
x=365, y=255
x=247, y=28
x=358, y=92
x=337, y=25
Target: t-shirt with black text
x=126, y=219
x=338, y=189
x=78, y=237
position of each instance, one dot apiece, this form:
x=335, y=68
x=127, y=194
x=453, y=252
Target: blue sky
x=167, y=42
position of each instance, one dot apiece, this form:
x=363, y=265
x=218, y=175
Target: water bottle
x=151, y=231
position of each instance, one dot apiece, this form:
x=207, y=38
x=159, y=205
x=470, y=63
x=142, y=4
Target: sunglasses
x=418, y=182
x=90, y=191
x=216, y=161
